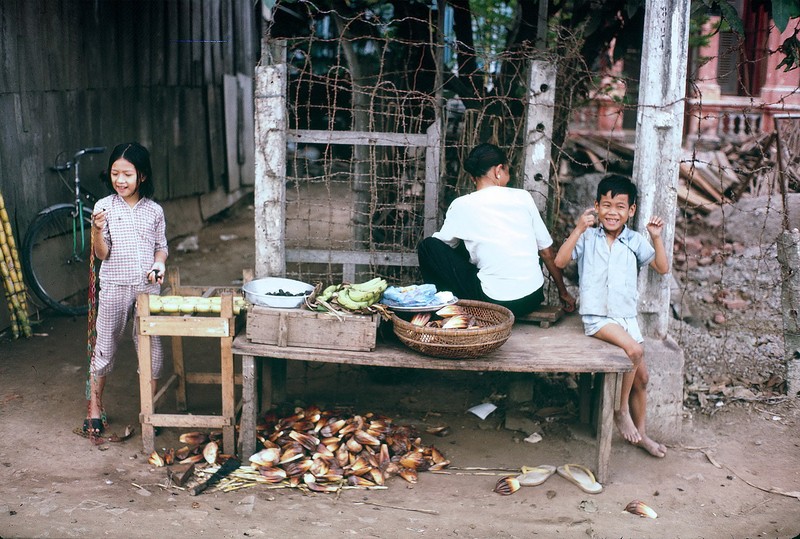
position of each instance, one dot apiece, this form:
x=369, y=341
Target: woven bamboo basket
x=467, y=343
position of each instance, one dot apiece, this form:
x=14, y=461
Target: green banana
x=344, y=299
x=327, y=294
x=371, y=285
x=369, y=296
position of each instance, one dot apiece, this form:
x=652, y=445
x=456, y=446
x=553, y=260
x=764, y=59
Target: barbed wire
x=372, y=198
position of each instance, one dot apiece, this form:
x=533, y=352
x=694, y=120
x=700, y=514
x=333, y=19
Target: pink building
x=736, y=87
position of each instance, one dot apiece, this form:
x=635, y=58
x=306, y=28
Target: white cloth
x=503, y=232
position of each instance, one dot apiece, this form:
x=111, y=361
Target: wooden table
x=223, y=327
x=561, y=348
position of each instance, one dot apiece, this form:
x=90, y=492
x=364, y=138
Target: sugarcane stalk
x=18, y=315
x=10, y=299
x=9, y=240
x=14, y=270
x=8, y=282
x=13, y=318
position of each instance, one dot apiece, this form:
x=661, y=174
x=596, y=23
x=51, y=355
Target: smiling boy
x=608, y=258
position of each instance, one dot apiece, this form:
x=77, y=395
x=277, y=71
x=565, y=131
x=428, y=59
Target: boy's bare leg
x=638, y=406
x=631, y=416
x=616, y=335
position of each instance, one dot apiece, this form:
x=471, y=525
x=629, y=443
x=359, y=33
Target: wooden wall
x=77, y=73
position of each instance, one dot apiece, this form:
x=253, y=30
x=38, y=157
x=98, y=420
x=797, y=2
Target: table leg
x=180, y=372
x=145, y=377
x=247, y=433
x=228, y=399
x=605, y=423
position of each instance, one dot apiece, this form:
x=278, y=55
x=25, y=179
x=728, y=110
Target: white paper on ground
x=483, y=410
x=534, y=438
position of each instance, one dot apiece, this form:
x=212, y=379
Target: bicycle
x=55, y=252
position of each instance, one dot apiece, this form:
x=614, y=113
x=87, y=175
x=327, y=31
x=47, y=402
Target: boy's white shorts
x=593, y=323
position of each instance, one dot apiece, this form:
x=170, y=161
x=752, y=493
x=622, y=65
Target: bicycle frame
x=78, y=203
x=55, y=264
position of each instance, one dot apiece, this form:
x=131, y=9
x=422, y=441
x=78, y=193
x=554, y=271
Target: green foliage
x=728, y=13
x=491, y=21
x=791, y=49
x=731, y=17
x=698, y=17
x=783, y=10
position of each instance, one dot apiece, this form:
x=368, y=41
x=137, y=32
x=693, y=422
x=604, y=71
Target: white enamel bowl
x=262, y=292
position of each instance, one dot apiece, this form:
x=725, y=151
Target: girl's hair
x=617, y=184
x=482, y=158
x=139, y=157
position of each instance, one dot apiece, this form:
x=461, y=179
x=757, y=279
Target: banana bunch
x=352, y=297
x=192, y=304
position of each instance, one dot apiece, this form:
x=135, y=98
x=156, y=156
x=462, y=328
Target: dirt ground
x=735, y=473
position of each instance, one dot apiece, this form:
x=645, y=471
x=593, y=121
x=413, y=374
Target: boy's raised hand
x=655, y=226
x=586, y=220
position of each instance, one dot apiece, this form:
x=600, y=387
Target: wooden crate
x=310, y=329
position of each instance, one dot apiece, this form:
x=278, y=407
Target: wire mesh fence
x=371, y=198
x=353, y=73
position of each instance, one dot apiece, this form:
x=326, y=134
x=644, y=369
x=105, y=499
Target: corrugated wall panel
x=158, y=41
x=77, y=73
x=9, y=66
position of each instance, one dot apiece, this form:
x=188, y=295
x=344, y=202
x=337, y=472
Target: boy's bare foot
x=651, y=446
x=626, y=427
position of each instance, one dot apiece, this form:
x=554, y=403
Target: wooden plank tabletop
x=559, y=348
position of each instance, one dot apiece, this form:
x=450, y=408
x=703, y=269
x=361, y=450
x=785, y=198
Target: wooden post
x=145, y=377
x=433, y=158
x=270, y=159
x=179, y=368
x=789, y=257
x=605, y=422
x=659, y=131
x=249, y=407
x=539, y=132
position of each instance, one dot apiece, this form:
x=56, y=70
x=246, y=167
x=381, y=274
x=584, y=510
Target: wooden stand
x=545, y=315
x=222, y=327
x=563, y=348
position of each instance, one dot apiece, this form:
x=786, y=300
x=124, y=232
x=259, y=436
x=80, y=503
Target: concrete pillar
x=665, y=361
x=659, y=131
x=539, y=132
x=789, y=258
x=270, y=159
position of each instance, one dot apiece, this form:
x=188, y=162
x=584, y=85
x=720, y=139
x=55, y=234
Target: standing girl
x=129, y=236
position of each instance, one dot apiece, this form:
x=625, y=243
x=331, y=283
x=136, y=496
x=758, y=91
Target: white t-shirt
x=503, y=232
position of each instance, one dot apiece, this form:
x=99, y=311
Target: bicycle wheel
x=55, y=261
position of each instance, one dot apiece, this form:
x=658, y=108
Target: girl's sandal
x=93, y=427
